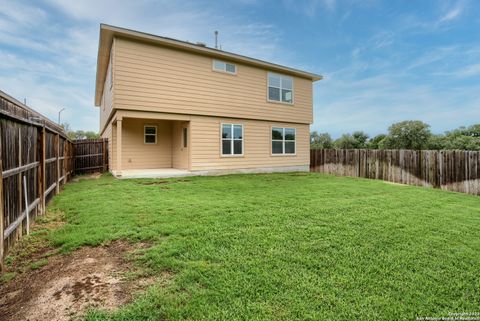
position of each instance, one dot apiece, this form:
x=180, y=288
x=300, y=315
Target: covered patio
x=144, y=146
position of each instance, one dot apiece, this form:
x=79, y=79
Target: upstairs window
x=283, y=141
x=150, y=134
x=223, y=66
x=280, y=88
x=232, y=140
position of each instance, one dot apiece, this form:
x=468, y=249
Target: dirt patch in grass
x=87, y=176
x=162, y=182
x=70, y=284
x=154, y=183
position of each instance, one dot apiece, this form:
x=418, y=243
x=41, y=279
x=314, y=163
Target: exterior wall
x=108, y=134
x=153, y=78
x=106, y=105
x=138, y=155
x=180, y=153
x=206, y=145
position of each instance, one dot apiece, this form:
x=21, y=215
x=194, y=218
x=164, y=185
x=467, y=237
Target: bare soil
x=70, y=284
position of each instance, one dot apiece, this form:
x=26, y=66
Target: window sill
x=283, y=155
x=280, y=102
x=225, y=72
x=232, y=156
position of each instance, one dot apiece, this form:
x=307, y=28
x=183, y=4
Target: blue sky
x=383, y=61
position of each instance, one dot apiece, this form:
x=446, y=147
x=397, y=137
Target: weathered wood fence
x=35, y=161
x=91, y=155
x=452, y=170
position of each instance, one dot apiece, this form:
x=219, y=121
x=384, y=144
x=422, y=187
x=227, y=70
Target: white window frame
x=280, y=88
x=283, y=140
x=224, y=70
x=232, y=125
x=145, y=134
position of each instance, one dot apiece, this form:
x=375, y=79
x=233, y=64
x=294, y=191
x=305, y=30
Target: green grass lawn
x=284, y=246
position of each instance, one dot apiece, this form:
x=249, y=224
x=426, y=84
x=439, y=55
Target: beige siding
x=206, y=143
x=108, y=135
x=106, y=105
x=138, y=155
x=179, y=153
x=152, y=78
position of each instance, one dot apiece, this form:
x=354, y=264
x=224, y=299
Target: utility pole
x=59, y=112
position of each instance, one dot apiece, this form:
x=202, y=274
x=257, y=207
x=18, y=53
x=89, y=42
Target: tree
x=360, y=138
x=409, y=134
x=352, y=141
x=463, y=138
x=322, y=140
x=374, y=142
x=79, y=134
x=474, y=130
x=436, y=142
x=462, y=142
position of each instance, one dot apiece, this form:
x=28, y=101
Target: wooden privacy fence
x=35, y=160
x=91, y=155
x=452, y=170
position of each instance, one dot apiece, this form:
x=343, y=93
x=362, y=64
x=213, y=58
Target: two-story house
x=170, y=107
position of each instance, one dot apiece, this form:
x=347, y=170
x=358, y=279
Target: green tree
x=474, y=130
x=463, y=138
x=79, y=134
x=346, y=141
x=361, y=139
x=322, y=140
x=436, y=142
x=374, y=142
x=352, y=141
x=409, y=134
x=462, y=142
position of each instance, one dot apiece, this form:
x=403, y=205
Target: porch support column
x=119, y=147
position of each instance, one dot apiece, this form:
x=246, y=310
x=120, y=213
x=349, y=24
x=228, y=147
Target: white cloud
x=310, y=8
x=434, y=55
x=453, y=13
x=469, y=71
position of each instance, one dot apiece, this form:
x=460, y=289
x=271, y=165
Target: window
x=283, y=140
x=280, y=88
x=232, y=139
x=185, y=137
x=150, y=134
x=223, y=66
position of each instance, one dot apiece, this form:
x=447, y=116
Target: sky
x=383, y=61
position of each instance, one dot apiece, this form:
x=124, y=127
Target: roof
x=108, y=33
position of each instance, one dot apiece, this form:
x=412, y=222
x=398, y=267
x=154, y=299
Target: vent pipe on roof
x=216, y=39
x=201, y=44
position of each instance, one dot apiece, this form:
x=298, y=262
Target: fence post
x=1, y=209
x=64, y=167
x=57, y=162
x=39, y=169
x=19, y=177
x=43, y=182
